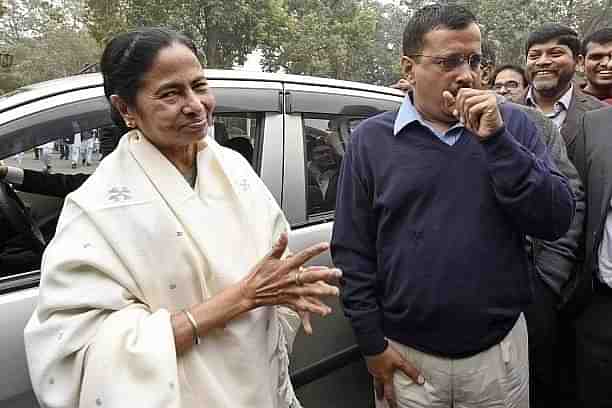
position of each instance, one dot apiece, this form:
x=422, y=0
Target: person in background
x=552, y=54
x=323, y=168
x=46, y=156
x=510, y=81
x=435, y=280
x=160, y=287
x=593, y=159
x=75, y=145
x=597, y=64
x=87, y=147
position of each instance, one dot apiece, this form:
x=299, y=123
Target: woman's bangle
x=194, y=326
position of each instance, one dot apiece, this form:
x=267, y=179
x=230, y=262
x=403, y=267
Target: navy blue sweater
x=430, y=237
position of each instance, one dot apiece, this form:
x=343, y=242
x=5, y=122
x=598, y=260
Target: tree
x=380, y=64
x=325, y=38
x=46, y=39
x=226, y=31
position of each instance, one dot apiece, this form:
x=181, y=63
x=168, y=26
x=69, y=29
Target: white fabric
x=86, y=150
x=45, y=154
x=75, y=148
x=136, y=243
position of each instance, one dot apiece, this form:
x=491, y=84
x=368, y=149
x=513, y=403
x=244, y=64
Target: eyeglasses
x=508, y=85
x=455, y=61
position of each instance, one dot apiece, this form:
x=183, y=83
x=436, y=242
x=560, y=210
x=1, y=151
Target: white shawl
x=136, y=243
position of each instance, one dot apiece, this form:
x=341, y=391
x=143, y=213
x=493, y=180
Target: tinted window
x=328, y=120
x=54, y=145
x=325, y=138
x=240, y=132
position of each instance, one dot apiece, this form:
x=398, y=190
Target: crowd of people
x=473, y=229
x=78, y=147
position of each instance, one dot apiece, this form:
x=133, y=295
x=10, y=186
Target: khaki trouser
x=497, y=377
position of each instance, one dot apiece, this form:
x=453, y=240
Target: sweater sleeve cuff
x=14, y=175
x=369, y=334
x=501, y=145
x=494, y=137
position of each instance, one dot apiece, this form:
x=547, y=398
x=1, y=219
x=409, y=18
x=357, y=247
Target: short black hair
x=602, y=36
x=553, y=31
x=128, y=57
x=512, y=67
x=430, y=18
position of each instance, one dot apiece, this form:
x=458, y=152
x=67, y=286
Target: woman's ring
x=298, y=280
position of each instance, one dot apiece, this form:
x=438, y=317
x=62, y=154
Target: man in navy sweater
x=433, y=206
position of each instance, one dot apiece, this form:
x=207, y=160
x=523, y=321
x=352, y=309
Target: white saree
x=136, y=243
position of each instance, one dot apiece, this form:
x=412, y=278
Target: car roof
x=40, y=90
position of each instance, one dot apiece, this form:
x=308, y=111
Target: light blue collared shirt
x=408, y=114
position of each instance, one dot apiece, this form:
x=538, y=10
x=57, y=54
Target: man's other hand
x=382, y=367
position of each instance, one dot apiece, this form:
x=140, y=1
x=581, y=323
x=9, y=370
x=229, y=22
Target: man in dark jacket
x=19, y=250
x=593, y=159
x=552, y=54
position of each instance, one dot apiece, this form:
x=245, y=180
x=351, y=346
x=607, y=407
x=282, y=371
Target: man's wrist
x=494, y=135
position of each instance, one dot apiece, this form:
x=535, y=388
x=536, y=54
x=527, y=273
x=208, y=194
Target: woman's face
x=174, y=105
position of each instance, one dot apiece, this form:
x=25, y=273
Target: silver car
x=293, y=129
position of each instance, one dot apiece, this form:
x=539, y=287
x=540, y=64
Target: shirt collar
x=563, y=102
x=408, y=114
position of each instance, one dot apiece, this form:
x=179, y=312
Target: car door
x=327, y=367
x=39, y=124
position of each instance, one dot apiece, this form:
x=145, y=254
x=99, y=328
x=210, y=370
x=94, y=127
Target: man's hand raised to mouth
x=477, y=109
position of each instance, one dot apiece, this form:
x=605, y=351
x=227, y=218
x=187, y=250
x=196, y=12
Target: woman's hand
x=276, y=281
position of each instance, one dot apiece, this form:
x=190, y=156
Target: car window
x=76, y=152
x=325, y=138
x=328, y=117
x=60, y=140
x=240, y=132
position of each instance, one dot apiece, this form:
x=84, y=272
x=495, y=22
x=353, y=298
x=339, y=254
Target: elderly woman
x=160, y=288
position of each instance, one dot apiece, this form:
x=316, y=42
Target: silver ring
x=298, y=280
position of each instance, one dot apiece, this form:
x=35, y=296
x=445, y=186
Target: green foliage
x=46, y=39
x=325, y=38
x=226, y=31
